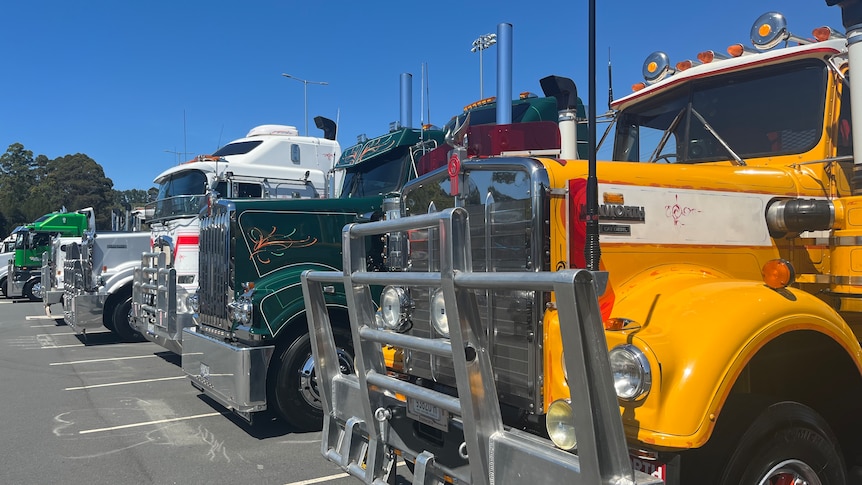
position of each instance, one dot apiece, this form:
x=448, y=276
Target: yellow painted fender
x=698, y=334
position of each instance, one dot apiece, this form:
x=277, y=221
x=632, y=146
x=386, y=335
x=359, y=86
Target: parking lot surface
x=94, y=410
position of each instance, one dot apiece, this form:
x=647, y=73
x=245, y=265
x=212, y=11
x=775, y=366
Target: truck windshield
x=238, y=148
x=757, y=113
x=181, y=194
x=375, y=177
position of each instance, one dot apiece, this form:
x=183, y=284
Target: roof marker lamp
x=684, y=65
x=826, y=33
x=656, y=67
x=559, y=424
x=708, y=56
x=769, y=30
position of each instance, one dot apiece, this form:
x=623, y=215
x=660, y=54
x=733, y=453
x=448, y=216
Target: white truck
x=92, y=275
x=7, y=252
x=272, y=161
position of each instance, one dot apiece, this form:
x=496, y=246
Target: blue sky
x=139, y=86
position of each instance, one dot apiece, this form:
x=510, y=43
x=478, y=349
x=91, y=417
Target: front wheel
x=295, y=395
x=788, y=443
x=121, y=321
x=33, y=290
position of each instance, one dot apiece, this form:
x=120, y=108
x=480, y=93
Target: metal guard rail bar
x=357, y=435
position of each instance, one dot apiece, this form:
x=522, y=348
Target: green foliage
x=31, y=187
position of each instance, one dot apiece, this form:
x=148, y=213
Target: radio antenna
x=610, y=81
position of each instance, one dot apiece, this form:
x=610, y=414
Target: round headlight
x=560, y=425
x=193, y=302
x=438, y=313
x=395, y=307
x=246, y=308
x=631, y=370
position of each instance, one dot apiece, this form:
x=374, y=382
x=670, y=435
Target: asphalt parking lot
x=98, y=411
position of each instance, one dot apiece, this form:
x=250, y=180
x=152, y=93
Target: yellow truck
x=730, y=222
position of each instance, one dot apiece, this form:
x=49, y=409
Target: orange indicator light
x=778, y=273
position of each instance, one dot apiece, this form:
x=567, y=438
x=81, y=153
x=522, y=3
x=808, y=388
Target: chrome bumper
x=83, y=312
x=166, y=332
x=232, y=375
x=52, y=297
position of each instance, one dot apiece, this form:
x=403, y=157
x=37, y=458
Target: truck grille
x=501, y=235
x=216, y=269
x=78, y=269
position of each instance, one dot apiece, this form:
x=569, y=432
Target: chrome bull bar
x=361, y=409
x=154, y=299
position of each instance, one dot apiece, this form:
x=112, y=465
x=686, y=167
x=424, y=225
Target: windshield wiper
x=711, y=131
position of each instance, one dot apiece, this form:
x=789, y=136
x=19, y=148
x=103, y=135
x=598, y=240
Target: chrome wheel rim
x=308, y=386
x=791, y=472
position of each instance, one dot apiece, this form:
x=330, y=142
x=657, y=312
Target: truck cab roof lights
x=738, y=50
x=778, y=273
x=826, y=33
x=638, y=86
x=708, y=56
x=684, y=65
x=481, y=102
x=770, y=29
x=656, y=67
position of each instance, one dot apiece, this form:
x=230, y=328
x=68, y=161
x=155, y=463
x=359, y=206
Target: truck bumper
x=52, y=297
x=235, y=376
x=83, y=312
x=168, y=332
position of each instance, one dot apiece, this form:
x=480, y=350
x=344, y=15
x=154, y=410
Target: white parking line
x=42, y=326
x=55, y=334
x=148, y=423
x=330, y=477
x=39, y=317
x=94, y=386
x=321, y=479
x=103, y=360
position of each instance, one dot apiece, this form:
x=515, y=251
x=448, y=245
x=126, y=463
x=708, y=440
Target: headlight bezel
x=399, y=320
x=559, y=424
x=437, y=310
x=630, y=386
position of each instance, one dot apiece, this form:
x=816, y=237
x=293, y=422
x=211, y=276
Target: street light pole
x=483, y=42
x=305, y=84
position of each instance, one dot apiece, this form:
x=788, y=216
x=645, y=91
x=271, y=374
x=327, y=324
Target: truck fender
x=699, y=334
x=120, y=279
x=279, y=296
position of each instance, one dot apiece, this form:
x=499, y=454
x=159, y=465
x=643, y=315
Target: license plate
x=205, y=371
x=650, y=467
x=428, y=414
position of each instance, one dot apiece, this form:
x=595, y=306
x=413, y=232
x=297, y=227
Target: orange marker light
x=637, y=87
x=764, y=30
x=652, y=66
x=683, y=65
x=778, y=273
x=735, y=50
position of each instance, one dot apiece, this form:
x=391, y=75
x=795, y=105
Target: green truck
x=24, y=276
x=249, y=349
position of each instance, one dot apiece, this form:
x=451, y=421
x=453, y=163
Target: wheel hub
x=308, y=386
x=791, y=472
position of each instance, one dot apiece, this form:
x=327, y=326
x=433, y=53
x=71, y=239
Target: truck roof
x=267, y=152
x=748, y=60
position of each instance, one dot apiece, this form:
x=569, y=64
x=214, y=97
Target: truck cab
x=270, y=162
x=25, y=269
x=730, y=312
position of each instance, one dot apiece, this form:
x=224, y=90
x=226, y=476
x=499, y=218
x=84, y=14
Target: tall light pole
x=483, y=42
x=305, y=83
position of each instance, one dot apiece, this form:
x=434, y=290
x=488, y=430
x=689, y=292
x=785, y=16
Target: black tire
x=3, y=286
x=293, y=387
x=28, y=291
x=121, y=319
x=788, y=440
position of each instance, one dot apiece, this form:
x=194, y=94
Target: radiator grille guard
x=506, y=236
x=78, y=269
x=216, y=269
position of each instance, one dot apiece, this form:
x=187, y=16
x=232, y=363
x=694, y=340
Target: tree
x=75, y=182
x=17, y=178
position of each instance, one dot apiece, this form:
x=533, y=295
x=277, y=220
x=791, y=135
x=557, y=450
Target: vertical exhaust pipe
x=851, y=17
x=406, y=100
x=564, y=91
x=504, y=74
